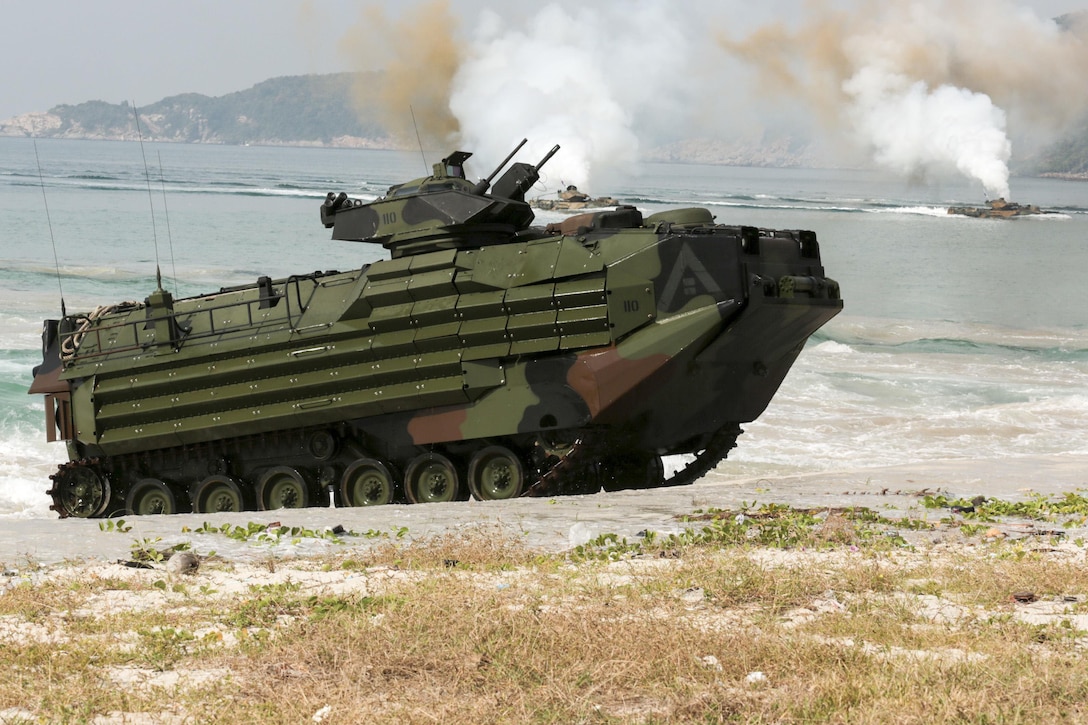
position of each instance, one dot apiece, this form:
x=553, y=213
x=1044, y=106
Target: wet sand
x=551, y=524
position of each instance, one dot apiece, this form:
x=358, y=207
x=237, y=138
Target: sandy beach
x=238, y=612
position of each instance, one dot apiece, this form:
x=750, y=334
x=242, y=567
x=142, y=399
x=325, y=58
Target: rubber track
x=551, y=482
x=716, y=451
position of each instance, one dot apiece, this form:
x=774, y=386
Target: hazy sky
x=69, y=51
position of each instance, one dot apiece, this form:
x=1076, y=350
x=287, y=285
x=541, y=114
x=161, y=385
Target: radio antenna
x=418, y=139
x=150, y=199
x=169, y=236
x=49, y=223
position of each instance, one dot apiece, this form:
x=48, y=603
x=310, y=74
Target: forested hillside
x=312, y=109
x=1068, y=157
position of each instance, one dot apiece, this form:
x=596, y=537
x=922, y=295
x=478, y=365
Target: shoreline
x=388, y=143
x=1064, y=176
x=553, y=524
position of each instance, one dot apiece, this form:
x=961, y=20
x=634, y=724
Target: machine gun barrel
x=532, y=173
x=505, y=161
x=546, y=156
x=517, y=179
x=485, y=184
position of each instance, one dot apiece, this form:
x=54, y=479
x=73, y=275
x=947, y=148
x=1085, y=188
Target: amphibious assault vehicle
x=996, y=209
x=485, y=357
x=571, y=199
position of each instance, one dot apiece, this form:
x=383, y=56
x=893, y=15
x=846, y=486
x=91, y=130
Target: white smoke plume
x=922, y=86
x=583, y=78
x=913, y=129
x=919, y=81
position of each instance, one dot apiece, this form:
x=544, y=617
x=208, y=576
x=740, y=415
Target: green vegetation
x=768, y=525
x=1037, y=507
x=1069, y=155
x=273, y=534
x=288, y=110
x=117, y=525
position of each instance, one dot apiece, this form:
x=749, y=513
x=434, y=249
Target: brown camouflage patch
x=603, y=376
x=433, y=427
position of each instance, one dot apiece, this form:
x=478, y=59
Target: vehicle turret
x=441, y=211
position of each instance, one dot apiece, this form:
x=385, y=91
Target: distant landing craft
x=997, y=209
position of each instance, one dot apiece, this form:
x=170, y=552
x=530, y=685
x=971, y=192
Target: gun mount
x=440, y=211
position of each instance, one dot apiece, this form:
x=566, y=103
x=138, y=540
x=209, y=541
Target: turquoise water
x=961, y=338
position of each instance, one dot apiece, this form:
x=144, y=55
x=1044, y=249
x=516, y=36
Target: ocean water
x=961, y=339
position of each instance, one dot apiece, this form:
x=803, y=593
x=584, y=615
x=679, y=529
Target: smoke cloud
x=585, y=78
x=926, y=85
x=913, y=128
x=922, y=86
x=419, y=54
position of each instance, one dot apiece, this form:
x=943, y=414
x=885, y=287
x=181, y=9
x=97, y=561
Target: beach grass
x=771, y=616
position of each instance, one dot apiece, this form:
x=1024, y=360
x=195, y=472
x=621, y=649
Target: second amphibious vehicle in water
x=996, y=209
x=486, y=356
x=571, y=199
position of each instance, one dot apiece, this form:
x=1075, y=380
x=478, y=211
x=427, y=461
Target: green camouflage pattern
x=485, y=356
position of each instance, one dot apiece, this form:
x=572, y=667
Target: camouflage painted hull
x=560, y=361
x=996, y=209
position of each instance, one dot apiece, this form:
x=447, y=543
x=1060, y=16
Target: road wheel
x=495, y=473
x=217, y=493
x=282, y=487
x=367, y=482
x=150, y=496
x=431, y=478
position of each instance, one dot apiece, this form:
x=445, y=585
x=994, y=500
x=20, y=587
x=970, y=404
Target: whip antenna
x=418, y=139
x=147, y=176
x=49, y=223
x=169, y=236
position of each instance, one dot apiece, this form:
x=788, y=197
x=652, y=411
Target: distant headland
x=320, y=110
